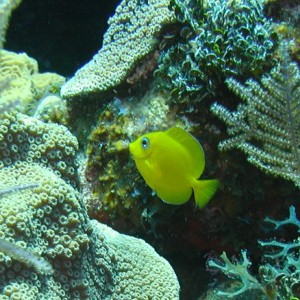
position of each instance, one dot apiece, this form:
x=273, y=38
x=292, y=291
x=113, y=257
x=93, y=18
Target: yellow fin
x=204, y=190
x=193, y=147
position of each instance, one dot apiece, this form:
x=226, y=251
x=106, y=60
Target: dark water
x=60, y=35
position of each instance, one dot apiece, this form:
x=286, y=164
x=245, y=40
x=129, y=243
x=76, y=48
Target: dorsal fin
x=192, y=146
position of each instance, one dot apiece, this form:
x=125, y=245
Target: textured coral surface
x=48, y=220
x=131, y=36
x=23, y=138
x=21, y=81
x=6, y=8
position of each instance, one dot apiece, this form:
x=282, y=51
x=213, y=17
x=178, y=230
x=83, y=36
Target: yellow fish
x=171, y=162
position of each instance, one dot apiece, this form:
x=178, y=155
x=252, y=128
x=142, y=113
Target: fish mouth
x=132, y=151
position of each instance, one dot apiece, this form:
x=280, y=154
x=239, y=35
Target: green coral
x=6, y=9
x=90, y=260
x=218, y=39
x=23, y=138
x=266, y=124
x=43, y=215
x=20, y=80
x=132, y=34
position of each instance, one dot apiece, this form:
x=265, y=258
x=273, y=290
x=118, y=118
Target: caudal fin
x=204, y=190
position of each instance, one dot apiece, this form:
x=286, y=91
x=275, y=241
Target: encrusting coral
x=20, y=81
x=90, y=260
x=43, y=214
x=6, y=8
x=137, y=271
x=132, y=34
x=45, y=220
x=23, y=138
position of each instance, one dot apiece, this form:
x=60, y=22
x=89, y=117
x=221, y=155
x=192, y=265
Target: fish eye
x=145, y=143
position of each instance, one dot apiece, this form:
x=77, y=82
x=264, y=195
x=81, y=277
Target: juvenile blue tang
x=171, y=162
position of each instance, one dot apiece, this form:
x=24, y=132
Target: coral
x=237, y=269
x=266, y=125
x=144, y=68
x=52, y=109
x=49, y=248
x=25, y=256
x=136, y=270
x=131, y=36
x=278, y=277
x=45, y=83
x=218, y=39
x=21, y=81
x=291, y=35
x=6, y=8
x=90, y=260
x=45, y=220
x=23, y=138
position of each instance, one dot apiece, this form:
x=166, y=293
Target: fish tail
x=204, y=190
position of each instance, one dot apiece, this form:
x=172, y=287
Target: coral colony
x=170, y=72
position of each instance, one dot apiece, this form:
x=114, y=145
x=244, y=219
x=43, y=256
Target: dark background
x=62, y=35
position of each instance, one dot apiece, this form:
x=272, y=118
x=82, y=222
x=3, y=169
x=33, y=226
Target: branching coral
x=238, y=270
x=266, y=126
x=278, y=278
